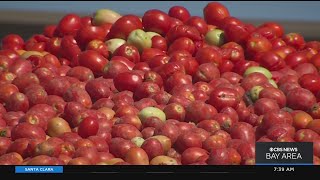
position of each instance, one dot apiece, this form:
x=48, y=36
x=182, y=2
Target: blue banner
x=39, y=169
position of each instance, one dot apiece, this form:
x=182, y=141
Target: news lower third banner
x=39, y=169
x=284, y=153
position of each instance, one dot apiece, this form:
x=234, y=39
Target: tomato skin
x=68, y=25
x=277, y=28
x=127, y=81
x=123, y=26
x=310, y=82
x=156, y=21
x=53, y=46
x=12, y=41
x=209, y=55
x=89, y=33
x=99, y=46
x=179, y=12
x=182, y=43
x=183, y=31
x=86, y=21
x=271, y=61
x=214, y=12
x=93, y=60
x=159, y=42
x=229, y=20
x=295, y=58
x=236, y=33
x=257, y=45
x=222, y=97
x=88, y=127
x=295, y=40
x=70, y=50
x=128, y=51
x=198, y=23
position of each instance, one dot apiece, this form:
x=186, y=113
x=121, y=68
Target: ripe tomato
x=156, y=21
x=93, y=60
x=183, y=31
x=182, y=43
x=214, y=12
x=209, y=55
x=89, y=33
x=12, y=41
x=257, y=45
x=229, y=20
x=198, y=23
x=295, y=40
x=277, y=28
x=69, y=25
x=123, y=27
x=88, y=127
x=159, y=42
x=128, y=51
x=301, y=119
x=179, y=12
x=127, y=81
x=310, y=82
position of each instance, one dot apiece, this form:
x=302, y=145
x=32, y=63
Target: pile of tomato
x=167, y=88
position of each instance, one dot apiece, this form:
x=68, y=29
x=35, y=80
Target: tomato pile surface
x=167, y=88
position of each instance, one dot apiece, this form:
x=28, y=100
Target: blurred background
x=30, y=17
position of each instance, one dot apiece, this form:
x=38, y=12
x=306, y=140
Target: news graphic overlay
x=39, y=169
x=284, y=153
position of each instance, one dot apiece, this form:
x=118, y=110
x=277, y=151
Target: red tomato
x=179, y=12
x=93, y=60
x=89, y=33
x=128, y=51
x=235, y=33
x=70, y=50
x=296, y=58
x=182, y=43
x=198, y=23
x=86, y=21
x=272, y=61
x=214, y=12
x=209, y=55
x=277, y=28
x=310, y=82
x=156, y=21
x=295, y=40
x=159, y=42
x=53, y=46
x=123, y=26
x=257, y=45
x=49, y=30
x=127, y=81
x=88, y=127
x=12, y=41
x=149, y=53
x=229, y=20
x=183, y=31
x=69, y=25
x=99, y=46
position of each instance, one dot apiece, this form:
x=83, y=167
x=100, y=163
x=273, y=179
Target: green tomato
x=215, y=37
x=113, y=44
x=137, y=141
x=254, y=92
x=103, y=16
x=151, y=112
x=273, y=83
x=139, y=39
x=258, y=69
